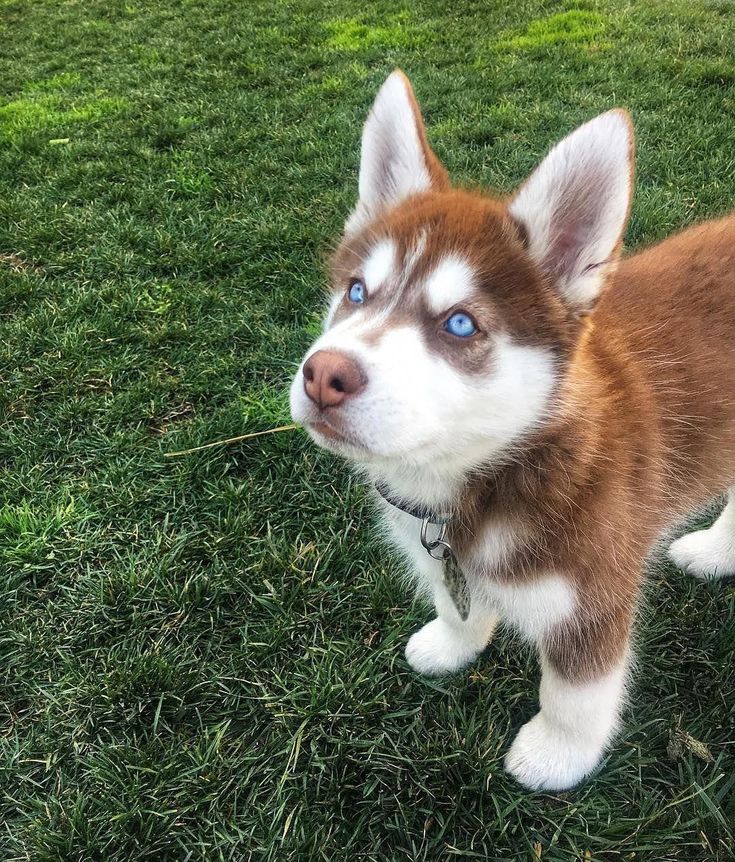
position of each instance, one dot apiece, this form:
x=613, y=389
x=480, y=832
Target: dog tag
x=452, y=575
x=456, y=583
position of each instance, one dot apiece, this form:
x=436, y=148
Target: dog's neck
x=421, y=486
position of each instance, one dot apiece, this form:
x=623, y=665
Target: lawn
x=201, y=658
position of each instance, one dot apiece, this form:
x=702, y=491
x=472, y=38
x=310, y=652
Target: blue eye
x=356, y=292
x=461, y=325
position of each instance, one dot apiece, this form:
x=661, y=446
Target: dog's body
x=467, y=367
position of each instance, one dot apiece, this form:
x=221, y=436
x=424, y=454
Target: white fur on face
x=449, y=284
x=380, y=265
x=413, y=255
x=418, y=410
x=334, y=304
x=575, y=204
x=566, y=740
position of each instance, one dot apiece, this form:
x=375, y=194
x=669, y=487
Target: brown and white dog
x=493, y=360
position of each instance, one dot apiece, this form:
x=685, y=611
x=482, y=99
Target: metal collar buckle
x=432, y=545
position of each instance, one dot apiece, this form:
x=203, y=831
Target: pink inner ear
x=575, y=224
x=564, y=249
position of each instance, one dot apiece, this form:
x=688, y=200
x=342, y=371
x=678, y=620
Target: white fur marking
x=709, y=554
x=496, y=542
x=565, y=741
x=414, y=255
x=380, y=265
x=532, y=607
x=449, y=284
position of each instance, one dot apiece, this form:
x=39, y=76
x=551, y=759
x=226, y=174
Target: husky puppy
x=533, y=412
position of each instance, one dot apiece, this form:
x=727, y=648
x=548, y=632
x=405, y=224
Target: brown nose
x=330, y=377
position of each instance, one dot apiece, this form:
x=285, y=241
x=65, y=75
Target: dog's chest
x=531, y=604
x=485, y=560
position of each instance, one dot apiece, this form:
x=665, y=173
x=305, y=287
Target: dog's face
x=444, y=340
x=453, y=314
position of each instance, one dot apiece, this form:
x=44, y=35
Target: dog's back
x=670, y=311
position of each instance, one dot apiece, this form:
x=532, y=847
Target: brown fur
x=511, y=295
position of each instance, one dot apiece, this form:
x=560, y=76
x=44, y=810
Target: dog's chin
x=349, y=446
x=338, y=441
x=387, y=453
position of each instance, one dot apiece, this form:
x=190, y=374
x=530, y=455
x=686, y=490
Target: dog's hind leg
x=710, y=553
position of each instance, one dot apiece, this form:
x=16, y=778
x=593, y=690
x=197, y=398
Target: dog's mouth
x=327, y=430
x=331, y=436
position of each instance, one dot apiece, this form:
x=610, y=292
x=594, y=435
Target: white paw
x=440, y=648
x=543, y=757
x=705, y=553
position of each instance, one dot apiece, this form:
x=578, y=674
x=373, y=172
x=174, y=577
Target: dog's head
x=453, y=314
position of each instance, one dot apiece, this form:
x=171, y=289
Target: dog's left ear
x=574, y=207
x=396, y=160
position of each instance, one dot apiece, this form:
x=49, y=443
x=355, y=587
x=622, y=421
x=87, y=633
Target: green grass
x=201, y=658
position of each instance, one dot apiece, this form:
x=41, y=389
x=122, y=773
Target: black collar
x=423, y=513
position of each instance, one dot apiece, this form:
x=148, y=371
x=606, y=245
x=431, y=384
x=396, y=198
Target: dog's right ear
x=396, y=160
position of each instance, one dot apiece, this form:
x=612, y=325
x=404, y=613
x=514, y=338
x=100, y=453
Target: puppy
x=533, y=412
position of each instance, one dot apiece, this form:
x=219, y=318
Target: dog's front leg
x=448, y=643
x=581, y=695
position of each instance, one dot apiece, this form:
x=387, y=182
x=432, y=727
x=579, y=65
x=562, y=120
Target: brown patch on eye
x=511, y=295
x=345, y=265
x=472, y=354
